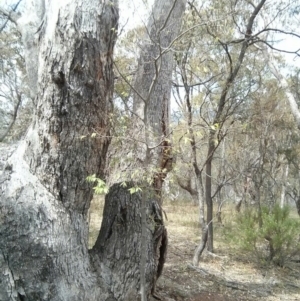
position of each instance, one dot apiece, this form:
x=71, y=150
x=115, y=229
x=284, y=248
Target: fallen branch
x=216, y=256
x=202, y=271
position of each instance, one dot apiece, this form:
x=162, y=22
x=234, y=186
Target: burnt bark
x=44, y=193
x=145, y=156
x=117, y=249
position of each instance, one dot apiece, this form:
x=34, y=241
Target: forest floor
x=227, y=275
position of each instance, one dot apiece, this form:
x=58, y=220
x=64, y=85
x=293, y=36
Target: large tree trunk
x=118, y=247
x=44, y=193
x=145, y=157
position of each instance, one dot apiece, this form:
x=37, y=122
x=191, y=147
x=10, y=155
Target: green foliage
x=275, y=241
x=100, y=187
x=133, y=190
x=281, y=232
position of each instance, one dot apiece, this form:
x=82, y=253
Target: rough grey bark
x=145, y=157
x=188, y=185
x=151, y=98
x=117, y=249
x=44, y=194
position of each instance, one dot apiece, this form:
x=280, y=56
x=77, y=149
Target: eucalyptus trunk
x=151, y=91
x=44, y=193
x=144, y=157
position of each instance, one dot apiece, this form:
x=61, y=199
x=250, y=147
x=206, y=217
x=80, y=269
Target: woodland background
x=233, y=137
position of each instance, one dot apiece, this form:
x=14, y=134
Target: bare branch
x=198, y=84
x=278, y=30
x=11, y=15
x=14, y=117
x=253, y=16
x=277, y=49
x=168, y=17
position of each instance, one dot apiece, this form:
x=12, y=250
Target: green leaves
x=215, y=126
x=100, y=187
x=275, y=241
x=133, y=190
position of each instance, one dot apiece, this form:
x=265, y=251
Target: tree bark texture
x=144, y=158
x=75, y=90
x=151, y=98
x=117, y=249
x=44, y=193
x=153, y=82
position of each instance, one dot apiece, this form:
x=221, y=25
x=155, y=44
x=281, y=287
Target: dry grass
x=231, y=275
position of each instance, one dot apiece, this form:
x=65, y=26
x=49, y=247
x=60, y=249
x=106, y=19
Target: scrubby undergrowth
x=231, y=274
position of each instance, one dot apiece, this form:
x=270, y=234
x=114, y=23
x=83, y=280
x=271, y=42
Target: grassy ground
x=228, y=275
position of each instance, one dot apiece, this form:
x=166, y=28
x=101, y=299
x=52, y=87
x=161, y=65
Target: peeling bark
x=44, y=193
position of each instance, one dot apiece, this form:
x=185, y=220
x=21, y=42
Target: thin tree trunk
x=283, y=187
x=198, y=172
x=208, y=193
x=258, y=180
x=219, y=197
x=219, y=119
x=204, y=227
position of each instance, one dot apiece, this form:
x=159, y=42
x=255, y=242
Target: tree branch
x=11, y=16
x=14, y=117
